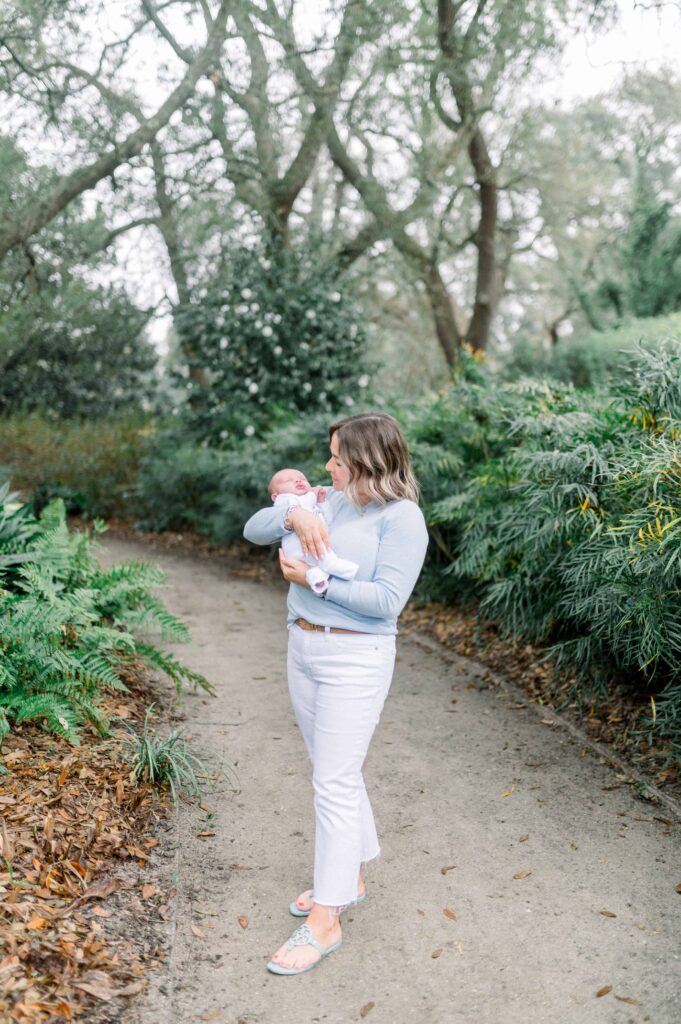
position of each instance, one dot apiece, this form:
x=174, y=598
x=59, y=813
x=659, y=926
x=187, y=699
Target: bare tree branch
x=42, y=209
x=114, y=233
x=150, y=10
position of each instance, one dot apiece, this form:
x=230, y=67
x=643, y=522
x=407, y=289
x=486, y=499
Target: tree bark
x=486, y=296
x=446, y=327
x=167, y=225
x=387, y=223
x=486, y=242
x=42, y=209
x=272, y=192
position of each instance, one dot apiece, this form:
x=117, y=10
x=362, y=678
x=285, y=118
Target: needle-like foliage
x=565, y=519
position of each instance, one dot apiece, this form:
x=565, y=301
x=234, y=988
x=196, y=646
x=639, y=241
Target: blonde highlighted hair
x=373, y=448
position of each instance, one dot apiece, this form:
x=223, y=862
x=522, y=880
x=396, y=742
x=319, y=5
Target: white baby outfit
x=320, y=568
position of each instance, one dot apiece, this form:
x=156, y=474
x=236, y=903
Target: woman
x=341, y=656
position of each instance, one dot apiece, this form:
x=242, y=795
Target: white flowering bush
x=275, y=336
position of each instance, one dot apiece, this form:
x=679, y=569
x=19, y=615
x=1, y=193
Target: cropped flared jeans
x=338, y=684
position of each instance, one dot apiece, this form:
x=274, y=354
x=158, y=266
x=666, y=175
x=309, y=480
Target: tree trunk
x=389, y=225
x=485, y=176
x=446, y=327
x=167, y=225
x=485, y=240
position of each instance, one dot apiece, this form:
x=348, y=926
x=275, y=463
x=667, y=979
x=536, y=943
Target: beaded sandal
x=302, y=936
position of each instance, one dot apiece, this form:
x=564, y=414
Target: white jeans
x=338, y=684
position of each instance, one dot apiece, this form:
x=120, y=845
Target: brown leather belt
x=304, y=624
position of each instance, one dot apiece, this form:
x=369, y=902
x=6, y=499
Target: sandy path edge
x=459, y=774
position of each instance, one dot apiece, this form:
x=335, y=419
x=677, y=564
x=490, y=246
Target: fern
x=66, y=626
x=174, y=669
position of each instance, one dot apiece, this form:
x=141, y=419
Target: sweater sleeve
x=267, y=525
x=401, y=554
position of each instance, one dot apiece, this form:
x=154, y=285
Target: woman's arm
x=401, y=554
x=267, y=526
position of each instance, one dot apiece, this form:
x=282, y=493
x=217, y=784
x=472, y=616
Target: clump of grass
x=165, y=763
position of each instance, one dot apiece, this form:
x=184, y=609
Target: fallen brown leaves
x=607, y=989
x=69, y=816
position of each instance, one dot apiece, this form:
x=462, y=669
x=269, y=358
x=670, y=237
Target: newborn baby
x=290, y=487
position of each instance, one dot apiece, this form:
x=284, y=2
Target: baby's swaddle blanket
x=308, y=501
x=320, y=568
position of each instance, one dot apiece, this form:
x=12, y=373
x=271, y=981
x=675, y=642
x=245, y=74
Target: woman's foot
x=305, y=902
x=302, y=954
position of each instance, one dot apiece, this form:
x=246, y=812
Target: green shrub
x=66, y=625
x=217, y=490
x=74, y=349
x=595, y=359
x=92, y=466
x=565, y=517
x=177, y=485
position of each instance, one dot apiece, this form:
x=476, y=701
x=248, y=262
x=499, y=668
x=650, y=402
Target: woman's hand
x=312, y=532
x=293, y=570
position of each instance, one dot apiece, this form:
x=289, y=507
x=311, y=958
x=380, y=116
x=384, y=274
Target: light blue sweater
x=388, y=542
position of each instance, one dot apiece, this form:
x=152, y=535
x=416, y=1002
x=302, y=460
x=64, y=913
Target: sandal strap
x=302, y=936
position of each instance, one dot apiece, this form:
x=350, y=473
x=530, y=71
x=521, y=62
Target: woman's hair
x=373, y=448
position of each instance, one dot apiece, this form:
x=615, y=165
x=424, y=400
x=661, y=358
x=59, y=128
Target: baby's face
x=289, y=481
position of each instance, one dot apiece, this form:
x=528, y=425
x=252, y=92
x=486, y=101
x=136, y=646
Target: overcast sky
x=647, y=36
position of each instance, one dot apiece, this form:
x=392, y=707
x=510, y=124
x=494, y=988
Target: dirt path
x=458, y=775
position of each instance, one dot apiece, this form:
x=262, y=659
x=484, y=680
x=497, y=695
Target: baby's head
x=288, y=481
